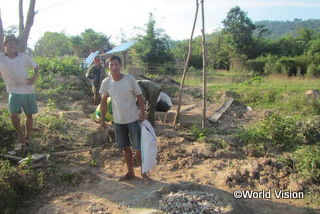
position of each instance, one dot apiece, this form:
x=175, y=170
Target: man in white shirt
x=123, y=90
x=14, y=70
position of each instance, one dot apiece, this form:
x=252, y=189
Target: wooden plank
x=162, y=116
x=215, y=117
x=9, y=157
x=72, y=152
x=183, y=118
x=186, y=108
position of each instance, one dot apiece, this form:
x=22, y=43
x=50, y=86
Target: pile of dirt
x=269, y=174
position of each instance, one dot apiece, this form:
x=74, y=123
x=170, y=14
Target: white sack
x=149, y=146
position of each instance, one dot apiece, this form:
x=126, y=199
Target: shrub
x=272, y=65
x=313, y=70
x=256, y=65
x=311, y=130
x=16, y=186
x=65, y=66
x=306, y=161
x=290, y=65
x=50, y=119
x=7, y=130
x=282, y=131
x=252, y=140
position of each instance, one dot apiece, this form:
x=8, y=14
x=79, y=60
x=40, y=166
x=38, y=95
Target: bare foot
x=127, y=176
x=21, y=142
x=145, y=177
x=28, y=140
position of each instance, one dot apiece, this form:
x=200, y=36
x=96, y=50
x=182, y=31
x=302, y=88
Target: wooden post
x=186, y=66
x=204, y=68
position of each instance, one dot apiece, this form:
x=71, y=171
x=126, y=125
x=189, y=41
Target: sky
x=175, y=17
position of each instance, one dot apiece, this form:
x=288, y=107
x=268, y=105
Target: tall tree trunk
x=21, y=19
x=1, y=34
x=204, y=60
x=24, y=34
x=176, y=118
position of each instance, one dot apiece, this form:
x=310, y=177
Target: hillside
x=277, y=29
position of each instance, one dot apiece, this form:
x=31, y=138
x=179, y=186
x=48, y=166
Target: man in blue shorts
x=14, y=70
x=123, y=90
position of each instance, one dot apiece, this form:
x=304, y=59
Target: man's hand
x=104, y=127
x=31, y=81
x=103, y=124
x=142, y=116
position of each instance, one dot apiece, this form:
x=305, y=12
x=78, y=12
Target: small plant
x=40, y=180
x=199, y=133
x=254, y=81
x=51, y=105
x=224, y=144
x=52, y=120
x=81, y=157
x=27, y=163
x=93, y=163
x=230, y=164
x=67, y=177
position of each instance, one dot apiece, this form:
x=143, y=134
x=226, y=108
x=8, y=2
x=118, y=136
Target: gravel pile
x=191, y=202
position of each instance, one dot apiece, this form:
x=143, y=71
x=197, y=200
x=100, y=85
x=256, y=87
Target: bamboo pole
x=204, y=68
x=176, y=118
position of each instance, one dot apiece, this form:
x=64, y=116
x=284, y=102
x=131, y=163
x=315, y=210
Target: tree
x=180, y=51
x=93, y=41
x=218, y=51
x=241, y=29
x=53, y=44
x=305, y=34
x=24, y=28
x=153, y=48
x=12, y=29
x=76, y=43
x=122, y=36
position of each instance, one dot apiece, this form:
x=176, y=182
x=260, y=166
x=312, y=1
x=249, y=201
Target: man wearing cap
x=14, y=70
x=96, y=74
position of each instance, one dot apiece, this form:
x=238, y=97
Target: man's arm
x=89, y=74
x=32, y=80
x=103, y=109
x=142, y=116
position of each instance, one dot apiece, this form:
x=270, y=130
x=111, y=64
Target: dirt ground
x=89, y=180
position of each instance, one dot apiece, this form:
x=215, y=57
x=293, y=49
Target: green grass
x=277, y=92
x=274, y=92
x=195, y=78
